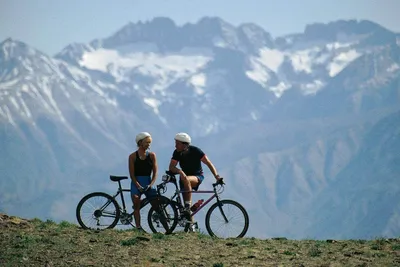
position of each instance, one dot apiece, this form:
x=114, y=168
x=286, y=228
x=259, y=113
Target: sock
x=187, y=204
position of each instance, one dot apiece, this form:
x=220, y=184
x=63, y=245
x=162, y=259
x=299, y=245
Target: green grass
x=46, y=243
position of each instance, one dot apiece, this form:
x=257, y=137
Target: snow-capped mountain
x=34, y=85
x=290, y=112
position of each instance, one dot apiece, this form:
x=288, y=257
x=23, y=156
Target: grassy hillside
x=45, y=243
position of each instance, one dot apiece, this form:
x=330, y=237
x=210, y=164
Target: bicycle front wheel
x=227, y=219
x=97, y=211
x=167, y=214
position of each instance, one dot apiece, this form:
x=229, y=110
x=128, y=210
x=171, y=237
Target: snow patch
x=85, y=111
x=25, y=108
x=147, y=63
x=253, y=115
x=259, y=72
x=271, y=58
x=337, y=45
x=312, y=88
x=341, y=61
x=219, y=42
x=8, y=84
x=393, y=67
x=14, y=102
x=279, y=89
x=154, y=103
x=25, y=88
x=199, y=82
x=302, y=60
x=8, y=114
x=268, y=59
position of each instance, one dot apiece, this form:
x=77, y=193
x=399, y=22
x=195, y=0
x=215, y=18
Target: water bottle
x=196, y=205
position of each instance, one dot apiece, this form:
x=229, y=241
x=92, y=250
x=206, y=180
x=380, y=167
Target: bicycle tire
x=215, y=208
x=97, y=213
x=145, y=207
x=172, y=218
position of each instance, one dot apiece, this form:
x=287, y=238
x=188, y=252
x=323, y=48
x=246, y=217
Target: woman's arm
x=131, y=164
x=155, y=168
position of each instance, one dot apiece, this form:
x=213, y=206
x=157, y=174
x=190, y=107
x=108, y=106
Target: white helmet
x=142, y=136
x=183, y=137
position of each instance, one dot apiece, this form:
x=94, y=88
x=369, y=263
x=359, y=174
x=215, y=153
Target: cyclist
x=191, y=172
x=143, y=172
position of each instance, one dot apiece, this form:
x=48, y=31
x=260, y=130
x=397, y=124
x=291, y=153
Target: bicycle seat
x=117, y=178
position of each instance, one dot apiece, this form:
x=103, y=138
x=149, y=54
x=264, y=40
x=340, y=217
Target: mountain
x=365, y=192
x=284, y=119
x=54, y=119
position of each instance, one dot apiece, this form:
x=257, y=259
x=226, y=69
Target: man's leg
x=188, y=184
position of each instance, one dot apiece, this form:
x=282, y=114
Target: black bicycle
x=99, y=210
x=224, y=219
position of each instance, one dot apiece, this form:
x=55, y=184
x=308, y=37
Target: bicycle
x=104, y=211
x=177, y=215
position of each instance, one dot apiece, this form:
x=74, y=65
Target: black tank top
x=143, y=167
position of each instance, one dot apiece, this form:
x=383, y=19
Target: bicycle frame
x=215, y=195
x=177, y=194
x=120, y=191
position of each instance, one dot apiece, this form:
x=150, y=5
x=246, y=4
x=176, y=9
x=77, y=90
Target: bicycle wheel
x=168, y=213
x=145, y=207
x=226, y=219
x=97, y=211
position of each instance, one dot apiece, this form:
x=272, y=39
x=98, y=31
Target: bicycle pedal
x=191, y=227
x=186, y=214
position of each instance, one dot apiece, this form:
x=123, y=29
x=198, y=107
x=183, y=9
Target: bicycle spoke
x=168, y=216
x=230, y=220
x=97, y=211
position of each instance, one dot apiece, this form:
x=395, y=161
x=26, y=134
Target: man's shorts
x=144, y=181
x=200, y=177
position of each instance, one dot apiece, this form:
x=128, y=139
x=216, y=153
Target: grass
x=46, y=243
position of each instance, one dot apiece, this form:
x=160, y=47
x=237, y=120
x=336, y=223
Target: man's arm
x=172, y=167
x=209, y=164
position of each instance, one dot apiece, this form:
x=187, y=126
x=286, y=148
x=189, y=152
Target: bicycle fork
x=222, y=211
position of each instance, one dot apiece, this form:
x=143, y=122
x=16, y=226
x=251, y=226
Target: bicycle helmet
x=183, y=137
x=141, y=136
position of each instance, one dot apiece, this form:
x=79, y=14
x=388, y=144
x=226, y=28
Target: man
x=191, y=172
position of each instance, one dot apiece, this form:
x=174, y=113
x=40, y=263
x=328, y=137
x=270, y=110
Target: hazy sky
x=50, y=25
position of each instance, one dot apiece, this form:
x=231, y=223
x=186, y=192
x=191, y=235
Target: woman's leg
x=135, y=194
x=136, y=210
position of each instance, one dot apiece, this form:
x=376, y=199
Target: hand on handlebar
x=144, y=189
x=220, y=181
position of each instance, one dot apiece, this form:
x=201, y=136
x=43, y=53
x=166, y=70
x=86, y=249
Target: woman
x=143, y=172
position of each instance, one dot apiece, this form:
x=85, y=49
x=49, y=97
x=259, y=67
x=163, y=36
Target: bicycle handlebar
x=220, y=181
x=170, y=178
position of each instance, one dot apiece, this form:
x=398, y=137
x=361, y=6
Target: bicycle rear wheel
x=227, y=219
x=168, y=214
x=97, y=211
